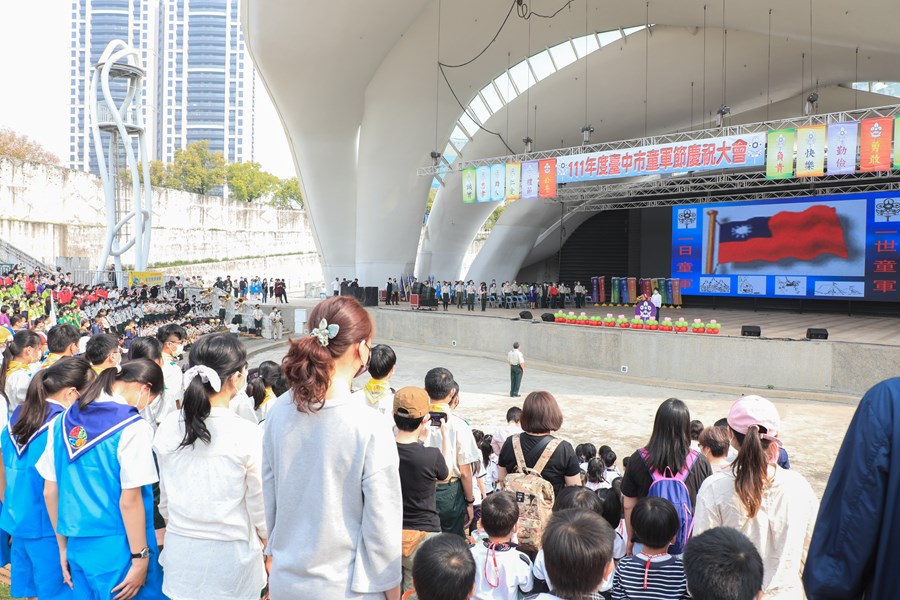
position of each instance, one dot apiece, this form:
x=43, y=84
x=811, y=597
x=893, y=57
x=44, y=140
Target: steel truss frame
x=444, y=169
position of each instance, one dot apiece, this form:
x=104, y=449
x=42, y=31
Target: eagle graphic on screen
x=800, y=235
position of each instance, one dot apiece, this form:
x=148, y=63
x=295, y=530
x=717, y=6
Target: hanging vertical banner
x=483, y=179
x=529, y=180
x=875, y=144
x=897, y=142
x=498, y=182
x=780, y=154
x=468, y=185
x=811, y=151
x=547, y=178
x=513, y=181
x=842, y=148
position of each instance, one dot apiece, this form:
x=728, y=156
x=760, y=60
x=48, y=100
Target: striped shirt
x=665, y=579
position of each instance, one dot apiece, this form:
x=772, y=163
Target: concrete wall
x=296, y=269
x=835, y=367
x=50, y=211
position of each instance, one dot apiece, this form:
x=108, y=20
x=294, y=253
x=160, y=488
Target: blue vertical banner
x=483, y=179
x=530, y=180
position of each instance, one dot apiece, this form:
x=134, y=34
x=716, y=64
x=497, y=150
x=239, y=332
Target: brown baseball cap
x=411, y=402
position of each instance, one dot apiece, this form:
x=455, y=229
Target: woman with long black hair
x=669, y=449
x=210, y=482
x=20, y=354
x=34, y=565
x=98, y=470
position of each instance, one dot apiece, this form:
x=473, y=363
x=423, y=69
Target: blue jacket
x=853, y=553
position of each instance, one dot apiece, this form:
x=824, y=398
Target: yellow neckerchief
x=98, y=369
x=15, y=365
x=51, y=358
x=376, y=390
x=270, y=395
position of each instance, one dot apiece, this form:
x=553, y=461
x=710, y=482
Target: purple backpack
x=672, y=488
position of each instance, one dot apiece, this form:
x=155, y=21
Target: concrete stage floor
x=774, y=324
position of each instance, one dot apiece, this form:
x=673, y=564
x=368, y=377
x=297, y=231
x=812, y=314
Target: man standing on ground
x=516, y=369
x=454, y=497
x=172, y=337
x=336, y=287
x=389, y=292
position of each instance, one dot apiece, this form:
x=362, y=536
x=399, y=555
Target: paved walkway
x=608, y=411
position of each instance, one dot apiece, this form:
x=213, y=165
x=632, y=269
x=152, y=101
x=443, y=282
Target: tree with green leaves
x=17, y=145
x=247, y=181
x=196, y=169
x=287, y=194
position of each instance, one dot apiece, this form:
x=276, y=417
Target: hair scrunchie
x=206, y=374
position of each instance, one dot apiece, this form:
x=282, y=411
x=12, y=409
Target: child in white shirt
x=501, y=570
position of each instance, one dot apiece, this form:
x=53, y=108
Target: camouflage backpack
x=533, y=493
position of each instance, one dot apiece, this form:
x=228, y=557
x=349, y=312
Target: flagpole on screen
x=711, y=240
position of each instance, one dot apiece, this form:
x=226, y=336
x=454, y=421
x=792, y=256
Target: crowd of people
x=508, y=294
x=179, y=472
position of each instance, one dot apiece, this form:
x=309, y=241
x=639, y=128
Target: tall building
x=206, y=89
x=199, y=83
x=95, y=23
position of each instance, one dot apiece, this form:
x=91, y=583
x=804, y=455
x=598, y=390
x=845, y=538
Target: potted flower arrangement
x=560, y=317
x=623, y=322
x=652, y=324
x=713, y=327
x=570, y=318
x=681, y=326
x=582, y=319
x=698, y=326
x=637, y=323
x=609, y=321
x=666, y=324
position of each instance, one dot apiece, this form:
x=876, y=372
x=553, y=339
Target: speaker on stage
x=370, y=296
x=814, y=333
x=548, y=317
x=526, y=315
x=750, y=331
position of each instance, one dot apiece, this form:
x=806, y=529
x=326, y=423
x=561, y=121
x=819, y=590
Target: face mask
x=179, y=350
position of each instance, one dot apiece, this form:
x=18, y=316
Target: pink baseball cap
x=748, y=411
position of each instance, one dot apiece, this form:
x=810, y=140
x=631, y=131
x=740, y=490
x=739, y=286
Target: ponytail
x=68, y=372
x=309, y=365
x=256, y=389
x=226, y=356
x=24, y=338
x=595, y=468
x=751, y=468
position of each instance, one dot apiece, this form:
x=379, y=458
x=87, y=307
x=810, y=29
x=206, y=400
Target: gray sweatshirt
x=334, y=509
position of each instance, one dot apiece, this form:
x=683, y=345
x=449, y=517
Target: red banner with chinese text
x=875, y=140
x=547, y=178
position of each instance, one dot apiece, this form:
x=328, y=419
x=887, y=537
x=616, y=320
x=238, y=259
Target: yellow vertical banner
x=780, y=154
x=513, y=181
x=811, y=151
x=468, y=185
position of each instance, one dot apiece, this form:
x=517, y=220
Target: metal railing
x=11, y=254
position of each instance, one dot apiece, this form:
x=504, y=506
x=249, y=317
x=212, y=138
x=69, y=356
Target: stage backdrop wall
x=835, y=367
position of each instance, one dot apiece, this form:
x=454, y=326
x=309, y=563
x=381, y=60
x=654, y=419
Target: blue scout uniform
x=35, y=570
x=85, y=451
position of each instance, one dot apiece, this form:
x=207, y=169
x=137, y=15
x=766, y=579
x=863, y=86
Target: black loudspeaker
x=814, y=333
x=526, y=315
x=750, y=330
x=370, y=297
x=548, y=317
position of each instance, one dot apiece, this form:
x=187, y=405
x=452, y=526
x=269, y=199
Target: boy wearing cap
x=420, y=470
x=774, y=507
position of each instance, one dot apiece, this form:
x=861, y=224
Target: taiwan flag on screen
x=802, y=235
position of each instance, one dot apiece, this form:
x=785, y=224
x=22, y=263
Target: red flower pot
x=699, y=330
x=637, y=326
x=652, y=327
x=624, y=325
x=610, y=324
x=560, y=320
x=712, y=331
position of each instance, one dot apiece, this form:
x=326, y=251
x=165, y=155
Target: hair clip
x=325, y=332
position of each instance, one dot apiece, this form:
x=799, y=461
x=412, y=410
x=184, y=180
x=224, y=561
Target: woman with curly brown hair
x=330, y=472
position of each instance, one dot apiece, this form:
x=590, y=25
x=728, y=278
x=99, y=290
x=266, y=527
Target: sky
x=34, y=83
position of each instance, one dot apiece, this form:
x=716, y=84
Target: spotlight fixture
x=723, y=112
x=435, y=158
x=586, y=132
x=529, y=143
x=810, y=102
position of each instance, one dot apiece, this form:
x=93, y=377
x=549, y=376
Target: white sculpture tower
x=128, y=217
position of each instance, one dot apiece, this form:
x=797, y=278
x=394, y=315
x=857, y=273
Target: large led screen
x=817, y=247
